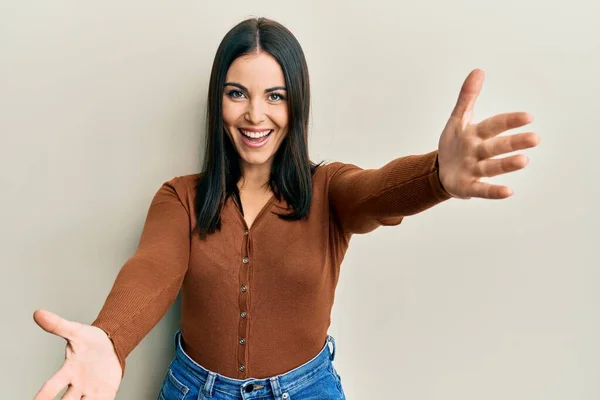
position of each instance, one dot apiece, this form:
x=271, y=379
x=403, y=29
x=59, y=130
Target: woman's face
x=255, y=111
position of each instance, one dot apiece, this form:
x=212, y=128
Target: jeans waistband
x=276, y=385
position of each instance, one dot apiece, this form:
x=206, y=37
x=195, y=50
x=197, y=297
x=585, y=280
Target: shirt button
x=243, y=288
x=242, y=341
x=242, y=367
x=285, y=395
x=245, y=233
x=243, y=314
x=245, y=260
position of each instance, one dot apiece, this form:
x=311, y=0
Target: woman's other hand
x=91, y=368
x=465, y=149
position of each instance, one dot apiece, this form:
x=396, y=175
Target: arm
x=150, y=280
x=362, y=199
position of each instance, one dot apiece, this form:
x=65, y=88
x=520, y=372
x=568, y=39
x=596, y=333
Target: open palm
x=465, y=149
x=91, y=369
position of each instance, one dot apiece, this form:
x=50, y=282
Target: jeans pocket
x=172, y=388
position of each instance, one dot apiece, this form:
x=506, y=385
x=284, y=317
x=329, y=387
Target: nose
x=255, y=114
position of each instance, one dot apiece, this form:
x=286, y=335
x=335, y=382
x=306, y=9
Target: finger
x=72, y=394
x=505, y=144
x=55, y=384
x=468, y=94
x=498, y=166
x=52, y=323
x=497, y=124
x=488, y=191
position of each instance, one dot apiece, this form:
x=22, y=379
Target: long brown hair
x=292, y=170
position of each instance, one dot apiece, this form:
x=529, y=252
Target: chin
x=257, y=159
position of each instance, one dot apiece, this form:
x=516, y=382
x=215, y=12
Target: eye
x=276, y=97
x=235, y=94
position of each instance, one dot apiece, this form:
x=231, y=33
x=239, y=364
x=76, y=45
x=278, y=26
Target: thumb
x=53, y=323
x=468, y=94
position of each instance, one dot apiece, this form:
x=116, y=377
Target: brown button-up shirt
x=257, y=302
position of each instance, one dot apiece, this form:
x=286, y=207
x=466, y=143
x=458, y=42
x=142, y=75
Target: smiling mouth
x=255, y=135
x=255, y=139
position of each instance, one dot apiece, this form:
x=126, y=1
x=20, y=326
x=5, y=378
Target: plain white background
x=102, y=101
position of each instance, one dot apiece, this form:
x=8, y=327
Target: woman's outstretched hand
x=91, y=369
x=465, y=149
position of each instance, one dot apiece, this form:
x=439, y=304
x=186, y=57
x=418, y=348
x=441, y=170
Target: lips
x=255, y=139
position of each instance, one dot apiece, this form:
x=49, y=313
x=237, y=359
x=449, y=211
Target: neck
x=254, y=177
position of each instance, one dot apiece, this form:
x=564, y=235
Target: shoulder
x=183, y=186
x=187, y=181
x=330, y=169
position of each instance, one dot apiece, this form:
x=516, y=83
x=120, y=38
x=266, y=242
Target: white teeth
x=255, y=135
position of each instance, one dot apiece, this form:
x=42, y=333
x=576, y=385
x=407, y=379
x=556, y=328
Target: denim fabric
x=316, y=379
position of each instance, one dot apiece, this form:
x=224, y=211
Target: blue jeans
x=316, y=379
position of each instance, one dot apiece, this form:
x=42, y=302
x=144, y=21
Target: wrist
x=437, y=172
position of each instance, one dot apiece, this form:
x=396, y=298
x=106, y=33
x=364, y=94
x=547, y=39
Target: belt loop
x=330, y=339
x=207, y=388
x=177, y=334
x=275, y=387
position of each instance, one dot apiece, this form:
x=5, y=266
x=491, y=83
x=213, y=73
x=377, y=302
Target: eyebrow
x=240, y=86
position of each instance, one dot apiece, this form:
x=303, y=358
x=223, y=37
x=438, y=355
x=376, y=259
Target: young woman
x=255, y=241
